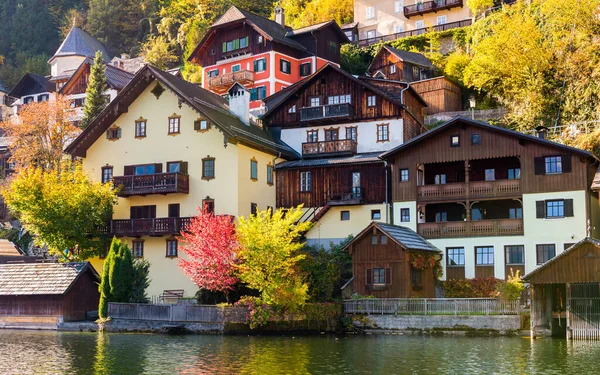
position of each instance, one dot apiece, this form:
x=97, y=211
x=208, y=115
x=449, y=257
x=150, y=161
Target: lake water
x=37, y=352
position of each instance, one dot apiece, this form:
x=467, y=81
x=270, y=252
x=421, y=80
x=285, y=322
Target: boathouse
x=565, y=293
x=41, y=295
x=390, y=261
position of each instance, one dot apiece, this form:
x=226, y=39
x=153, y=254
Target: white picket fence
x=432, y=306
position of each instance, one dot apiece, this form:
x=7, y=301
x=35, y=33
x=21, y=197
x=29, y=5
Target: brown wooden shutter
x=129, y=170
x=197, y=125
x=184, y=167
x=539, y=166
x=566, y=163
x=369, y=278
x=152, y=212
x=174, y=210
x=158, y=168
x=388, y=276
x=568, y=207
x=133, y=212
x=540, y=209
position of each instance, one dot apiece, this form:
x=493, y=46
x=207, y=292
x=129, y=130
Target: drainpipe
x=402, y=93
x=387, y=199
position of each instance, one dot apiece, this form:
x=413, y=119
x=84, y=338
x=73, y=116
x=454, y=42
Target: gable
x=580, y=264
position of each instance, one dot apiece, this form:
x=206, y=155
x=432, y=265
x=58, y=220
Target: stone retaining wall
x=501, y=324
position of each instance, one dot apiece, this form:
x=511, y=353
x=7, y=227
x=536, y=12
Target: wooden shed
x=565, y=293
x=382, y=263
x=440, y=93
x=41, y=295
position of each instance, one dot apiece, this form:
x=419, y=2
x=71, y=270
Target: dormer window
x=28, y=100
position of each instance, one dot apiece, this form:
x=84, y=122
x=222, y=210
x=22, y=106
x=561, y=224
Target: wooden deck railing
x=430, y=6
x=342, y=146
x=477, y=189
x=169, y=313
x=326, y=111
x=404, y=34
x=354, y=195
x=158, y=183
x=432, y=306
x=478, y=228
x=226, y=80
x=149, y=227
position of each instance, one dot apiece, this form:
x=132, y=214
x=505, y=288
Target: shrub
x=513, y=287
x=471, y=288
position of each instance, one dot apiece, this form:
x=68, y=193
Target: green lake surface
x=39, y=352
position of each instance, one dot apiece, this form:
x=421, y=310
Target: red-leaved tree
x=210, y=244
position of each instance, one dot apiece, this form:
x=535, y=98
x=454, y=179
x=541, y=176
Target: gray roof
x=370, y=157
x=31, y=84
x=40, y=278
x=80, y=43
x=116, y=78
x=308, y=29
x=406, y=237
x=411, y=57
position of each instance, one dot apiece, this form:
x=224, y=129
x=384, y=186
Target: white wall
x=412, y=206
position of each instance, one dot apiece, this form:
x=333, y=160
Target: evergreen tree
x=95, y=101
x=141, y=282
x=104, y=288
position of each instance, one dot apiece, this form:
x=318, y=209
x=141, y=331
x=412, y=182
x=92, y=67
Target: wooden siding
x=397, y=259
x=317, y=43
x=441, y=95
x=484, y=271
x=383, y=62
x=580, y=265
x=455, y=273
x=78, y=84
x=324, y=180
x=493, y=145
x=32, y=305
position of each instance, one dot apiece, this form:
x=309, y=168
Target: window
x=171, y=248
x=333, y=46
x=374, y=240
x=375, y=214
x=553, y=164
x=142, y=212
x=379, y=276
x=259, y=39
x=419, y=24
x=441, y=217
x=416, y=276
x=77, y=102
x=455, y=141
x=545, y=253
x=140, y=128
x=371, y=34
x=138, y=249
x=476, y=214
x=258, y=93
x=555, y=208
x=383, y=134
x=490, y=174
x=208, y=168
x=475, y=139
x=305, y=69
x=213, y=51
x=213, y=73
x=260, y=65
x=244, y=42
x=315, y=101
x=312, y=136
x=484, y=256
x=253, y=208
x=352, y=133
x=176, y=167
x=344, y=215
x=145, y=169
x=515, y=254
x=370, y=12
x=515, y=213
x=284, y=66
x=201, y=125
x=403, y=175
x=514, y=173
x=392, y=69
x=269, y=174
x=440, y=179
x=208, y=206
x=304, y=181
x=292, y=109
x=399, y=6
x=331, y=134
x=405, y=215
x=107, y=174
x=455, y=256
x=236, y=68
x=441, y=20
x=371, y=101
x=174, y=124
x=253, y=169
x=174, y=209
x=399, y=28
x=113, y=133
x=338, y=99
x=383, y=240
x=415, y=72
x=235, y=44
x=45, y=97
x=28, y=100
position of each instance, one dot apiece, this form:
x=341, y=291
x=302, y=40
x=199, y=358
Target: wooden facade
x=390, y=66
x=441, y=95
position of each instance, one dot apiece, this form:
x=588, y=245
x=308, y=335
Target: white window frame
x=370, y=13
x=441, y=20
x=420, y=24
x=373, y=35
x=399, y=6
x=305, y=181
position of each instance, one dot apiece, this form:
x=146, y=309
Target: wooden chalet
x=77, y=83
x=565, y=293
x=381, y=263
x=440, y=93
x=41, y=295
x=395, y=64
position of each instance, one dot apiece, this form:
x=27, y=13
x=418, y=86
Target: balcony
x=326, y=111
x=480, y=228
x=224, y=82
x=158, y=183
x=476, y=189
x=329, y=148
x=352, y=196
x=430, y=6
x=148, y=227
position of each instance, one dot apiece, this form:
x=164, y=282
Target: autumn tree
x=210, y=245
x=95, y=100
x=62, y=207
x=269, y=254
x=40, y=134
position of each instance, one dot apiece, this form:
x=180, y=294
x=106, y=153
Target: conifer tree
x=95, y=101
x=118, y=277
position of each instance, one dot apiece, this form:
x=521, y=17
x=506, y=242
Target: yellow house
x=173, y=147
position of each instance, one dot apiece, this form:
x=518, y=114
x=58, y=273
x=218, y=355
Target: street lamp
x=472, y=104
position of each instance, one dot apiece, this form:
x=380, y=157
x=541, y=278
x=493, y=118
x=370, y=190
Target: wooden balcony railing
x=224, y=82
x=158, y=183
x=149, y=227
x=430, y=6
x=479, y=228
x=346, y=197
x=326, y=111
x=339, y=147
x=404, y=34
x=476, y=189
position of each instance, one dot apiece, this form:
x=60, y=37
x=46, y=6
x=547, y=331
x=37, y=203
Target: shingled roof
x=411, y=57
x=40, y=278
x=365, y=158
x=403, y=236
x=80, y=43
x=31, y=84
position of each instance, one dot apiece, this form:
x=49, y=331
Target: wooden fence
x=432, y=306
x=165, y=312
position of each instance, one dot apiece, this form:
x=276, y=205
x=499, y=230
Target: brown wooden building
x=381, y=263
x=395, y=64
x=41, y=295
x=440, y=93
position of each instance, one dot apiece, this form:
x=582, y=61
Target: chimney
x=239, y=102
x=541, y=132
x=279, y=16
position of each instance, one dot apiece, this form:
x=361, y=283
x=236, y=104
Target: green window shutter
x=224, y=46
x=252, y=94
x=281, y=65
x=236, y=43
x=246, y=38
x=256, y=65
x=119, y=133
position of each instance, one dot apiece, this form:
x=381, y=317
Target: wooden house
x=382, y=263
x=41, y=295
x=398, y=65
x=565, y=293
x=9, y=253
x=440, y=93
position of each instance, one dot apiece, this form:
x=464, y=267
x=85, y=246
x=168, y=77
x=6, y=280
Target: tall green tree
x=118, y=277
x=95, y=101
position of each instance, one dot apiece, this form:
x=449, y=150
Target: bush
x=472, y=288
x=513, y=287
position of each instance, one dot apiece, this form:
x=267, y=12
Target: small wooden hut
x=41, y=295
x=565, y=293
x=383, y=263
